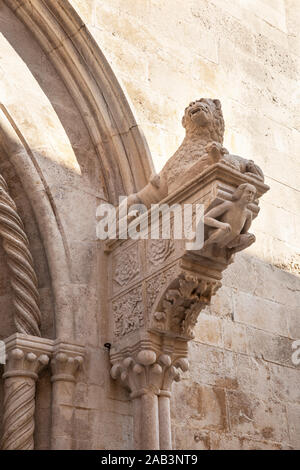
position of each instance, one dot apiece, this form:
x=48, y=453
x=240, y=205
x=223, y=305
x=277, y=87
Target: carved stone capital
x=148, y=372
x=66, y=361
x=26, y=355
x=24, y=364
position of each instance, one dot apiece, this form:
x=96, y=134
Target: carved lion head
x=204, y=118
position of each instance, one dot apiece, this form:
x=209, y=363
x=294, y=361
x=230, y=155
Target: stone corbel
x=158, y=287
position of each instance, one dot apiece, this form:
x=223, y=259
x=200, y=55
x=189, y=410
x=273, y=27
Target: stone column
x=146, y=421
x=171, y=374
x=66, y=361
x=26, y=356
x=149, y=380
x=165, y=434
x=141, y=375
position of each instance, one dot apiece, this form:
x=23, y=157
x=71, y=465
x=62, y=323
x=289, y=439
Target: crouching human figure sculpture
x=227, y=224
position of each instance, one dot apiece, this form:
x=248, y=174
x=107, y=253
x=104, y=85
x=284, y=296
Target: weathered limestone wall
x=40, y=263
x=60, y=148
x=244, y=52
x=242, y=390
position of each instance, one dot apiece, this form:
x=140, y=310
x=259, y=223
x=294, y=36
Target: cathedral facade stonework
x=140, y=343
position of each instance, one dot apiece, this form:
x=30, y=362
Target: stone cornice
x=29, y=343
x=37, y=345
x=220, y=178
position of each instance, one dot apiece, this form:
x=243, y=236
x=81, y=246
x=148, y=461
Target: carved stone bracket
x=157, y=288
x=178, y=309
x=167, y=285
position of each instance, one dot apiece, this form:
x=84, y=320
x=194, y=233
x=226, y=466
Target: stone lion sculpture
x=202, y=146
x=204, y=127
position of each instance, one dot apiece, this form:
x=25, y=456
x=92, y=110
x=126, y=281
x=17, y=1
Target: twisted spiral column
x=21, y=373
x=22, y=366
x=23, y=278
x=18, y=417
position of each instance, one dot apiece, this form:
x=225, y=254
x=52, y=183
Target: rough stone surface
x=242, y=390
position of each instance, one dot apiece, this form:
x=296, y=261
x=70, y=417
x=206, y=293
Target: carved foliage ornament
x=128, y=312
x=157, y=283
x=181, y=305
x=146, y=372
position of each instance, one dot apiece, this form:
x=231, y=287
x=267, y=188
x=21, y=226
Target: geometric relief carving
x=126, y=267
x=128, y=312
x=160, y=250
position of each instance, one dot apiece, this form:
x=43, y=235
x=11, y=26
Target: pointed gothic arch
x=121, y=147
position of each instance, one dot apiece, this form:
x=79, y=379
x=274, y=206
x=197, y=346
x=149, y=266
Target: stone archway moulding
x=19, y=154
x=152, y=312
x=122, y=150
x=118, y=140
x=126, y=166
